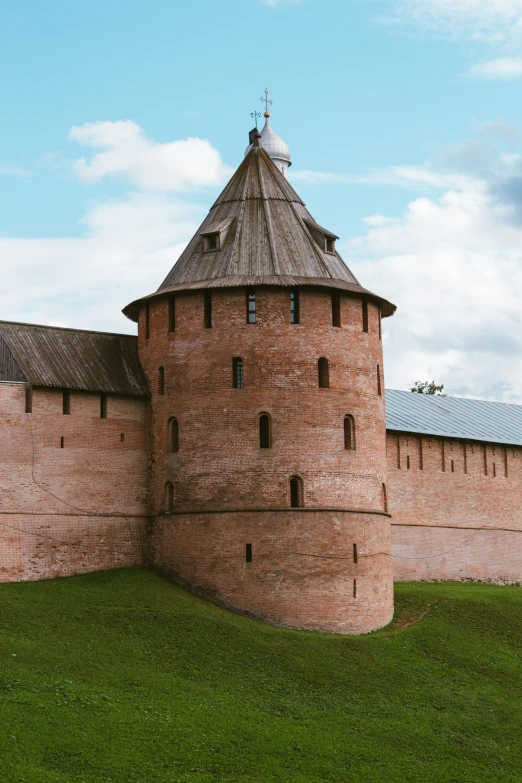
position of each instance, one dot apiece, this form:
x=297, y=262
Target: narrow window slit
x=355, y=588
x=336, y=310
x=294, y=307
x=174, y=435
x=237, y=373
x=355, y=553
x=248, y=553
x=251, y=307
x=349, y=432
x=296, y=492
x=66, y=402
x=103, y=406
x=28, y=399
x=365, y=315
x=323, y=373
x=408, y=462
x=62, y=442
x=161, y=380
x=122, y=437
x=264, y=431
x=207, y=307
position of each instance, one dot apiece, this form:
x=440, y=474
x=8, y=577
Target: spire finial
x=266, y=100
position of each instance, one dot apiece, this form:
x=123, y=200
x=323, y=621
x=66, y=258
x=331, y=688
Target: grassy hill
x=121, y=676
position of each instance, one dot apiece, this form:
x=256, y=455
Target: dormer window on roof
x=211, y=242
x=329, y=245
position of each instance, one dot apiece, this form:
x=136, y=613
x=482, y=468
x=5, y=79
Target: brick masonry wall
x=456, y=510
x=74, y=509
x=220, y=467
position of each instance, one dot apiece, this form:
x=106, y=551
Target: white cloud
x=488, y=20
x=273, y=3
x=15, y=171
x=499, y=129
x=128, y=154
x=399, y=176
x=502, y=68
x=127, y=249
x=454, y=268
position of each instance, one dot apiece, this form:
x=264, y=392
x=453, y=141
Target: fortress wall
x=456, y=509
x=74, y=509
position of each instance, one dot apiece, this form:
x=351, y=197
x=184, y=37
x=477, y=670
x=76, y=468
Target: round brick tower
x=268, y=465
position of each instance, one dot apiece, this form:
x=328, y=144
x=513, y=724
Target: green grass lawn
x=122, y=676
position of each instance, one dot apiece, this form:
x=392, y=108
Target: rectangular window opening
x=355, y=588
x=237, y=373
x=211, y=242
x=66, y=402
x=294, y=307
x=62, y=443
x=355, y=553
x=28, y=399
x=452, y=466
x=379, y=389
x=103, y=406
x=365, y=315
x=122, y=437
x=379, y=316
x=207, y=305
x=251, y=307
x=172, y=314
x=248, y=553
x=330, y=245
x=408, y=462
x=336, y=310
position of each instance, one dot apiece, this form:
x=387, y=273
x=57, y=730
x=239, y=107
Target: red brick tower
x=268, y=464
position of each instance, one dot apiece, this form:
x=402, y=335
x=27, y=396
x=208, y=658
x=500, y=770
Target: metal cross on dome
x=266, y=100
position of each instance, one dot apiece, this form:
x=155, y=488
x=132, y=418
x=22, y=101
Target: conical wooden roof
x=266, y=236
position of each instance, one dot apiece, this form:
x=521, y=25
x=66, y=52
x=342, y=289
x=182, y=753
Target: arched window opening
x=28, y=399
x=336, y=309
x=296, y=492
x=264, y=431
x=103, y=406
x=147, y=321
x=237, y=373
x=251, y=307
x=294, y=307
x=365, y=315
x=66, y=402
x=161, y=380
x=207, y=309
x=324, y=373
x=384, y=497
x=169, y=497
x=174, y=435
x=172, y=313
x=349, y=432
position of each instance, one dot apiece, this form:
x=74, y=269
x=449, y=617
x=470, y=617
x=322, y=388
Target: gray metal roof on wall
x=454, y=417
x=267, y=237
x=76, y=359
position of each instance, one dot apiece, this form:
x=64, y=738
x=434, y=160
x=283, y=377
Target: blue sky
x=404, y=121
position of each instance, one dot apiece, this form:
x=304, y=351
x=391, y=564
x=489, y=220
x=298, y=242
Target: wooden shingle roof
x=55, y=357
x=266, y=237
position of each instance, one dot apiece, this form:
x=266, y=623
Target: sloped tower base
x=302, y=573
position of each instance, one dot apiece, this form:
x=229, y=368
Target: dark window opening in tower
x=365, y=315
x=66, y=402
x=384, y=497
x=251, y=307
x=174, y=435
x=349, y=432
x=355, y=553
x=62, y=442
x=296, y=492
x=336, y=309
x=211, y=242
x=28, y=399
x=380, y=323
x=408, y=462
x=207, y=308
x=264, y=431
x=324, y=373
x=294, y=307
x=103, y=406
x=172, y=314
x=147, y=321
x=169, y=497
x=248, y=553
x=379, y=389
x=237, y=373
x=330, y=245
x=161, y=380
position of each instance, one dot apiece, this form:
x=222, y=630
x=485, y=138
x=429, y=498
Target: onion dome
x=259, y=233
